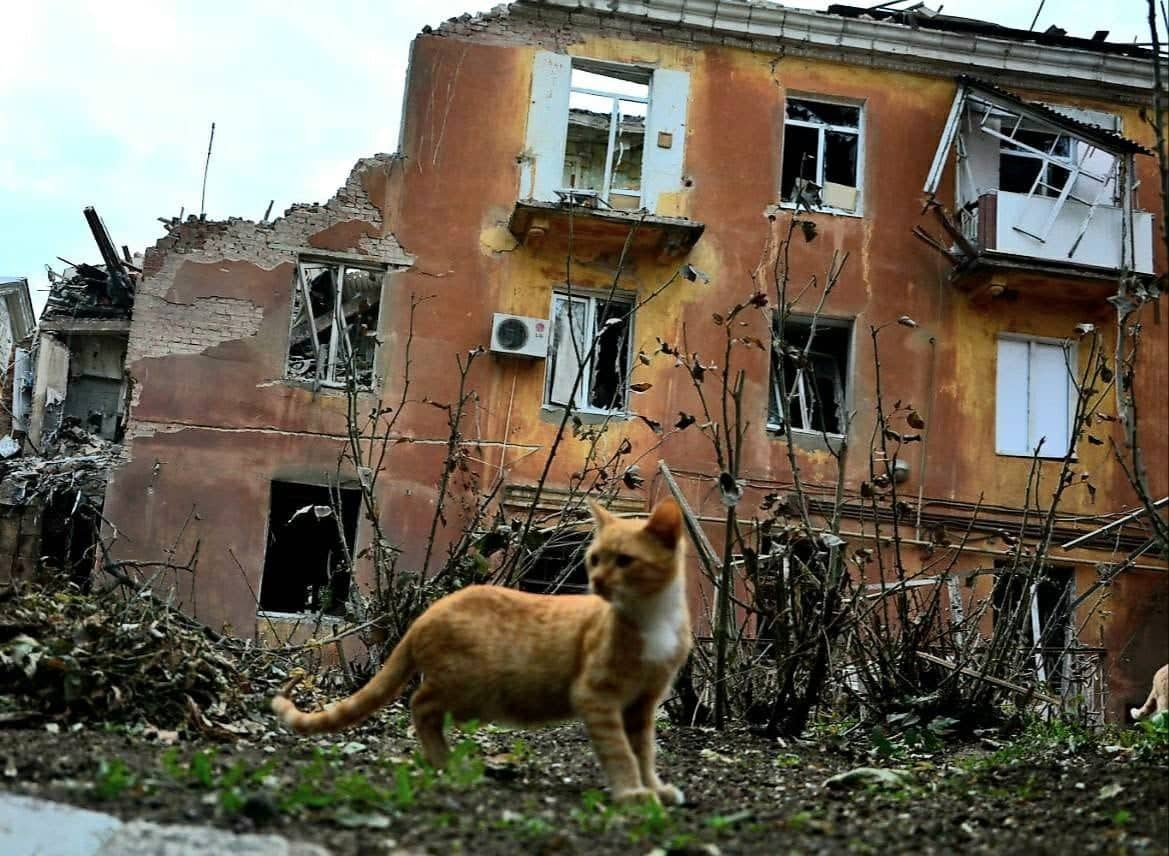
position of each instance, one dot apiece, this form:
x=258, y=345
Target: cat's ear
x=665, y=522
x=601, y=515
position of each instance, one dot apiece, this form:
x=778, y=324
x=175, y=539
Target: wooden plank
x=706, y=551
x=998, y=682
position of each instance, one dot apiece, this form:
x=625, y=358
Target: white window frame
x=590, y=300
x=858, y=131
x=327, y=368
x=844, y=375
x=615, y=99
x=1010, y=446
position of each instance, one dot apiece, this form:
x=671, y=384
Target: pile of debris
x=125, y=656
x=73, y=460
x=94, y=291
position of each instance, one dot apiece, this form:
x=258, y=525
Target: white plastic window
x=822, y=161
x=593, y=333
x=1034, y=399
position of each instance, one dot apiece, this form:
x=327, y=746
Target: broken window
x=1043, y=610
x=321, y=351
x=558, y=566
x=1040, y=181
x=821, y=155
x=605, y=140
x=814, y=376
x=1035, y=397
x=306, y=564
x=1035, y=159
x=594, y=333
x=603, y=132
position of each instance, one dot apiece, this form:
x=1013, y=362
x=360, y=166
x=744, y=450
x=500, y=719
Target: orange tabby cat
x=498, y=655
x=1158, y=700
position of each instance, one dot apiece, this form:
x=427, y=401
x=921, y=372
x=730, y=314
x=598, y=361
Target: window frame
x=591, y=298
x=341, y=264
x=348, y=531
x=1071, y=359
x=844, y=376
x=822, y=129
x=631, y=74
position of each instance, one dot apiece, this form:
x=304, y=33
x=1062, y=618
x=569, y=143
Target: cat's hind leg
x=428, y=714
x=639, y=729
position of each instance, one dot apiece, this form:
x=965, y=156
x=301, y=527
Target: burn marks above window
x=810, y=369
x=311, y=532
x=821, y=155
x=321, y=351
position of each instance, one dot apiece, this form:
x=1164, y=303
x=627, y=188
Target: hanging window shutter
x=1048, y=399
x=1011, y=398
x=547, y=125
x=662, y=168
x=563, y=365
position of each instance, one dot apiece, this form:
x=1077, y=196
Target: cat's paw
x=1135, y=713
x=669, y=795
x=632, y=795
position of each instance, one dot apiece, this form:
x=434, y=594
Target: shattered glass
x=321, y=351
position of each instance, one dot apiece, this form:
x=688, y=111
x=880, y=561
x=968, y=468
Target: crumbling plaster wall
x=212, y=421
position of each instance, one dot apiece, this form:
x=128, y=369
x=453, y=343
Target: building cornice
x=787, y=31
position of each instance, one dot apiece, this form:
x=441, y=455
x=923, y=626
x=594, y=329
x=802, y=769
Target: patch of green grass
x=1121, y=817
x=113, y=777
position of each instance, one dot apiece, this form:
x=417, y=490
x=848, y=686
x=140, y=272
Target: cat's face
x=631, y=559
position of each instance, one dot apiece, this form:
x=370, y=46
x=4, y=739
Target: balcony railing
x=1022, y=226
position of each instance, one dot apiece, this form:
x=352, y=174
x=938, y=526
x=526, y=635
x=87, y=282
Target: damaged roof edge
x=1102, y=137
x=990, y=53
x=359, y=169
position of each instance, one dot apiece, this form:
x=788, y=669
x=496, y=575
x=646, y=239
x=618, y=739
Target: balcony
x=1009, y=225
x=1042, y=189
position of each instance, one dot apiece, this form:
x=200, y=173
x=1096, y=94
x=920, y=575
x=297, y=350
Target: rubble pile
x=73, y=460
x=90, y=290
x=68, y=656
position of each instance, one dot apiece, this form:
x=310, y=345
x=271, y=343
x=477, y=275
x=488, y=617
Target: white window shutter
x=662, y=167
x=1011, y=398
x=1048, y=399
x=547, y=124
x=562, y=353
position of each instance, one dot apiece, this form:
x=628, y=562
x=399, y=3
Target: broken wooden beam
x=706, y=551
x=998, y=682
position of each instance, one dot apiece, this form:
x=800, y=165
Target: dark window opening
x=815, y=382
x=1019, y=169
x=558, y=565
x=821, y=147
x=320, y=350
x=1049, y=624
x=69, y=536
x=305, y=567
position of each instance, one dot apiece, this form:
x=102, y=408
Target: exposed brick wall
x=164, y=326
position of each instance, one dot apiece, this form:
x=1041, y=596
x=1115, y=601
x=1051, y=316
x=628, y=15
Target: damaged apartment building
x=563, y=160
x=68, y=398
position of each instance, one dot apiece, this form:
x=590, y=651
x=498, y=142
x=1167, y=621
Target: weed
x=720, y=822
x=593, y=814
x=1121, y=817
x=113, y=777
x=787, y=759
x=650, y=820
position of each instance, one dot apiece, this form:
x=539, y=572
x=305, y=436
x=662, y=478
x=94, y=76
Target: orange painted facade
x=212, y=427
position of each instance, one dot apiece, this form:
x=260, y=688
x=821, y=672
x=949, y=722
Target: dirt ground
x=541, y=791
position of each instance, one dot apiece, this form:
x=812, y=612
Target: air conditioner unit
x=519, y=336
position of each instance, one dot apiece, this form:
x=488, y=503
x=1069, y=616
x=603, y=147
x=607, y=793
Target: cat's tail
x=382, y=688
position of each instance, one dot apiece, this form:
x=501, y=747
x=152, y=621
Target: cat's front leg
x=607, y=733
x=640, y=731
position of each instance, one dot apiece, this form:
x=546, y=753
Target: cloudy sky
x=110, y=104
